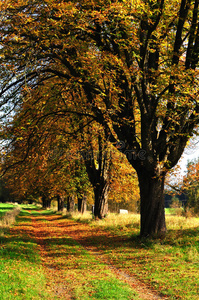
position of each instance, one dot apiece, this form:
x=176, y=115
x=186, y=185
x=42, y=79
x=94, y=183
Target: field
x=50, y=256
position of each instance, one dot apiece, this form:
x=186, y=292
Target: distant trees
x=185, y=189
x=191, y=185
x=52, y=155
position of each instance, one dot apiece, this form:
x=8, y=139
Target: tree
x=136, y=65
x=191, y=185
x=51, y=129
x=124, y=188
x=97, y=164
x=38, y=160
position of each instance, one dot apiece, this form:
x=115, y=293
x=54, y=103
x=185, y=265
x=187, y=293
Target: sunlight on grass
x=175, y=222
x=21, y=274
x=133, y=220
x=114, y=222
x=87, y=276
x=8, y=216
x=110, y=290
x=171, y=265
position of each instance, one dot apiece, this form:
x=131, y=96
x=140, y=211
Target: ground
x=53, y=232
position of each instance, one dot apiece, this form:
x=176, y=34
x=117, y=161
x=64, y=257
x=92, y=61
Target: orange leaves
x=192, y=177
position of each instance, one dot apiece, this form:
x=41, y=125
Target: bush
x=176, y=206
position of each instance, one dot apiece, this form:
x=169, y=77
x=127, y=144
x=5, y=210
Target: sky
x=190, y=153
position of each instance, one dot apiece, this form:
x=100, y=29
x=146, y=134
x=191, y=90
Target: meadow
x=47, y=255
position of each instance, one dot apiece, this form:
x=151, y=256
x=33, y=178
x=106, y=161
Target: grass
x=20, y=277
x=113, y=289
x=170, y=265
x=87, y=276
x=5, y=207
x=21, y=274
x=91, y=279
x=8, y=213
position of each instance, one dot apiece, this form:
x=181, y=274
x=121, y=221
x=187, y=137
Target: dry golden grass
x=114, y=220
x=9, y=217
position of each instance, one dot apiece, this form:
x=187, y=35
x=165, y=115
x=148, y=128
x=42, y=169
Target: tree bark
x=70, y=204
x=79, y=203
x=48, y=203
x=152, y=205
x=99, y=175
x=44, y=202
x=60, y=203
x=101, y=200
x=82, y=204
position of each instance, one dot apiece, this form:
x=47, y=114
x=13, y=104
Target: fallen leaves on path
x=51, y=234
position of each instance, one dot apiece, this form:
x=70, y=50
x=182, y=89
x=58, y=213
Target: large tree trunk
x=79, y=203
x=49, y=203
x=101, y=200
x=60, y=203
x=82, y=204
x=70, y=204
x=152, y=205
x=98, y=170
x=44, y=202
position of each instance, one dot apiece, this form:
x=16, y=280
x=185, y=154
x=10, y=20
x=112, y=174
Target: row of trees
x=129, y=66
x=48, y=156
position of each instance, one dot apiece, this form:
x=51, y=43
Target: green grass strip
x=21, y=274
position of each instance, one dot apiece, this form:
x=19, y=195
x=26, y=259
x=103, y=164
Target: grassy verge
x=5, y=207
x=170, y=265
x=21, y=274
x=8, y=213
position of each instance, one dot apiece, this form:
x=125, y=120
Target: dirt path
x=42, y=232
x=86, y=236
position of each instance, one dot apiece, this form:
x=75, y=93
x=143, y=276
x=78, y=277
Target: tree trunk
x=79, y=203
x=101, y=200
x=60, y=203
x=48, y=203
x=70, y=204
x=82, y=204
x=44, y=202
x=152, y=205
